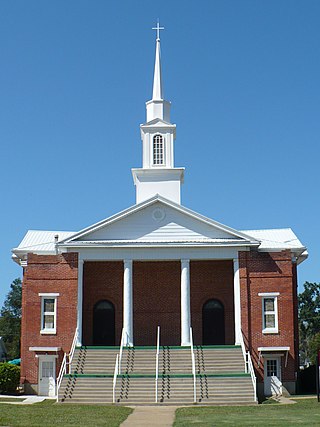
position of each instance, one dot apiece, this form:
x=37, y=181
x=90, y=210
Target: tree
x=309, y=321
x=10, y=320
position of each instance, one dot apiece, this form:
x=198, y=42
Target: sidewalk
x=148, y=416
x=27, y=400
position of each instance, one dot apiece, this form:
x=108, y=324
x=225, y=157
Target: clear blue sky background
x=243, y=78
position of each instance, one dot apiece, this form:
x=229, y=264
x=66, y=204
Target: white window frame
x=43, y=330
x=158, y=154
x=274, y=296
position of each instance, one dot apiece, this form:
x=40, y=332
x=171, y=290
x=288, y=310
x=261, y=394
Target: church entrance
x=104, y=323
x=213, y=327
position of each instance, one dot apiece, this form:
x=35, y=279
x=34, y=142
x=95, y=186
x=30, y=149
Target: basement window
x=269, y=312
x=48, y=313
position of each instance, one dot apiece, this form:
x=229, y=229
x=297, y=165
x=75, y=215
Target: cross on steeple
x=158, y=28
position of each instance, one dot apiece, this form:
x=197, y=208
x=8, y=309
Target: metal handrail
x=244, y=352
x=67, y=360
x=121, y=351
x=248, y=366
x=253, y=377
x=193, y=368
x=63, y=371
x=157, y=363
x=73, y=347
x=116, y=368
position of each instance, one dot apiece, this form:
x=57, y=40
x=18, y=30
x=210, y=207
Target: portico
x=175, y=283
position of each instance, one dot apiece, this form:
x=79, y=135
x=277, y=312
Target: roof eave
x=89, y=244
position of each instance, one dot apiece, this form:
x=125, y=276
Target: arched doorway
x=213, y=328
x=103, y=323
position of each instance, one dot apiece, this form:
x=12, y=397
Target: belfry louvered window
x=158, y=151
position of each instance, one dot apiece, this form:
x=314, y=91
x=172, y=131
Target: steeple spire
x=157, y=93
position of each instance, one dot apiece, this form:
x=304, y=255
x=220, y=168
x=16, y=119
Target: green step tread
x=150, y=347
x=220, y=375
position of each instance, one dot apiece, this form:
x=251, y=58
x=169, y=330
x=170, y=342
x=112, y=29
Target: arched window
x=158, y=151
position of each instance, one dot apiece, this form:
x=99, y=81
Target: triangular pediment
x=158, y=123
x=159, y=220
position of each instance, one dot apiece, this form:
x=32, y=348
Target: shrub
x=9, y=378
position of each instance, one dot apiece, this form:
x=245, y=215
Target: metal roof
x=276, y=238
x=41, y=242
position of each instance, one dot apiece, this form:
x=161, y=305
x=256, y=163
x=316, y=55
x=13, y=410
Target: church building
x=160, y=264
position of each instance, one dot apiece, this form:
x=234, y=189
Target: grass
x=305, y=413
x=49, y=413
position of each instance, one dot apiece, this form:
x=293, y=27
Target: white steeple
x=157, y=93
x=157, y=107
x=158, y=174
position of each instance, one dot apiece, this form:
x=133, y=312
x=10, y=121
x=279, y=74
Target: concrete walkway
x=28, y=400
x=147, y=416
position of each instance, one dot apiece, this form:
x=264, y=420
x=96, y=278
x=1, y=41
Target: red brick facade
x=156, y=297
x=269, y=272
x=101, y=281
x=156, y=301
x=47, y=274
x=211, y=280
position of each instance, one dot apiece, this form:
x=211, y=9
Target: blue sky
x=243, y=78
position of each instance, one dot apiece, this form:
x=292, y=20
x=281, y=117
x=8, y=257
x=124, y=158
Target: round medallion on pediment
x=158, y=214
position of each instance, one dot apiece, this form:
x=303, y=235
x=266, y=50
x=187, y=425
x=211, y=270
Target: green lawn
x=48, y=413
x=305, y=412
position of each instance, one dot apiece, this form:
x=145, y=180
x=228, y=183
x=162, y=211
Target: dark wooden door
x=213, y=328
x=103, y=323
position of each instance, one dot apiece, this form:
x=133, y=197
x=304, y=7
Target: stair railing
x=73, y=347
x=248, y=366
x=66, y=362
x=157, y=363
x=114, y=383
x=244, y=352
x=62, y=372
x=193, y=368
x=123, y=335
x=253, y=377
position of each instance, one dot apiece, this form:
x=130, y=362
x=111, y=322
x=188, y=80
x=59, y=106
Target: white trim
x=44, y=348
x=43, y=329
x=185, y=303
x=48, y=294
x=127, y=302
x=157, y=254
x=270, y=349
x=237, y=304
x=269, y=294
x=80, y=299
x=275, y=329
x=135, y=208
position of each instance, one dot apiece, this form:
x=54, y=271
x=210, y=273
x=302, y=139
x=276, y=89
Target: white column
x=237, y=306
x=80, y=299
x=127, y=303
x=185, y=302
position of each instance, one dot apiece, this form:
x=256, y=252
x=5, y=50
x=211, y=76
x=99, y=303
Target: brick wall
x=211, y=280
x=47, y=274
x=269, y=272
x=101, y=281
x=156, y=297
x=156, y=301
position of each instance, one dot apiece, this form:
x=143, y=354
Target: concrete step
x=135, y=389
